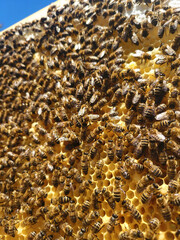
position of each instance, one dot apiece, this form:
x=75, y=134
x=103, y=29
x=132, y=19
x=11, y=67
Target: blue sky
x=12, y=11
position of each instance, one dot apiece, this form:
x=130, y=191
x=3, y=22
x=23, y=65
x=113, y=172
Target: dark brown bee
x=75, y=156
x=94, y=133
x=119, y=148
x=96, y=227
x=86, y=205
x=90, y=218
x=144, y=182
x=109, y=198
x=80, y=233
x=164, y=207
x=163, y=157
x=130, y=162
x=110, y=151
x=41, y=212
x=171, y=167
x=133, y=211
x=112, y=223
x=67, y=186
x=173, y=146
x=64, y=199
x=175, y=199
x=153, y=169
x=67, y=229
x=96, y=147
x=173, y=186
x=129, y=98
x=130, y=234
x=55, y=178
x=154, y=224
x=149, y=192
x=117, y=192
x=72, y=211
x=84, y=185
x=153, y=148
x=77, y=176
x=85, y=163
x=31, y=235
x=124, y=172
x=30, y=220
x=99, y=169
x=149, y=111
x=129, y=4
x=161, y=30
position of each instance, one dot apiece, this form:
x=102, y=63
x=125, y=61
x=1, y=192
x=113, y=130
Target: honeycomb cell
x=169, y=235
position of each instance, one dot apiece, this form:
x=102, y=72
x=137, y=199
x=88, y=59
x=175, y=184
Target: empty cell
x=135, y=202
x=163, y=227
x=130, y=194
x=109, y=175
x=106, y=183
x=150, y=209
x=169, y=236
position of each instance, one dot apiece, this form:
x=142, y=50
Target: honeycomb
x=89, y=123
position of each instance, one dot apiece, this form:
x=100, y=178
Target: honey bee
x=32, y=235
x=119, y=148
x=3, y=199
x=96, y=198
x=116, y=97
x=117, y=192
x=130, y=234
x=110, y=151
x=153, y=169
x=124, y=172
x=10, y=228
x=163, y=157
x=41, y=212
x=67, y=186
x=130, y=162
x=85, y=163
x=99, y=169
x=129, y=98
x=55, y=178
x=144, y=182
x=30, y=220
x=72, y=211
x=175, y=199
x=164, y=207
x=90, y=218
x=112, y=223
x=149, y=111
x=76, y=154
x=171, y=167
x=80, y=234
x=84, y=185
x=173, y=186
x=94, y=133
x=67, y=229
x=109, y=198
x=96, y=227
x=86, y=206
x=173, y=146
x=96, y=147
x=77, y=176
x=154, y=224
x=64, y=199
x=149, y=192
x=152, y=148
x=133, y=211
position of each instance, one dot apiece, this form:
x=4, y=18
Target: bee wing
x=160, y=59
x=137, y=54
x=158, y=136
x=161, y=116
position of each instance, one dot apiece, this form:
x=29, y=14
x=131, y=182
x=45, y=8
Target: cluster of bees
x=89, y=123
